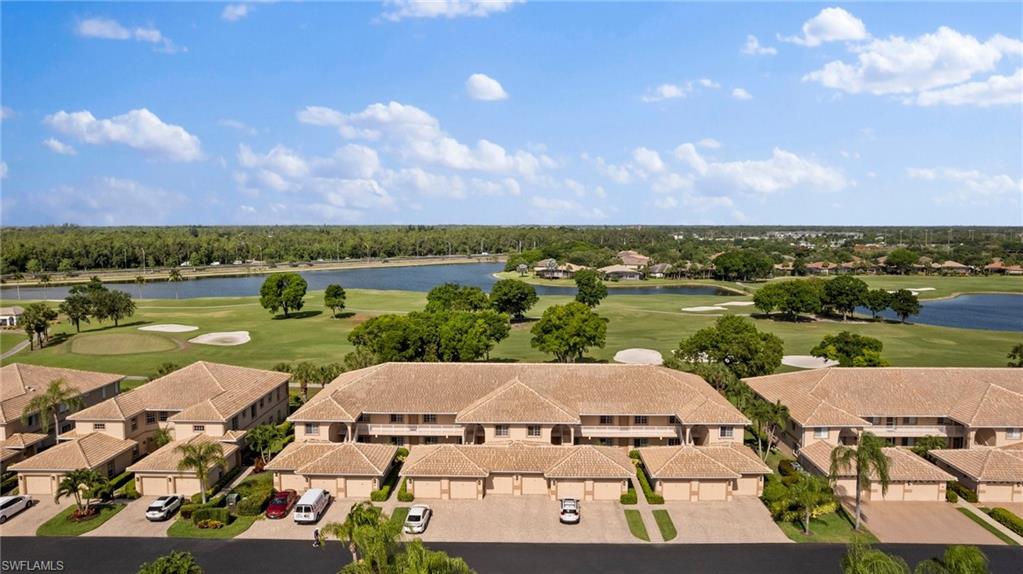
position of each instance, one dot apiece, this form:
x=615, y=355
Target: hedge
x=651, y=496
x=254, y=504
x=963, y=492
x=128, y=491
x=630, y=496
x=384, y=492
x=9, y=484
x=634, y=454
x=223, y=481
x=218, y=514
x=1008, y=519
x=951, y=496
x=404, y=495
x=121, y=479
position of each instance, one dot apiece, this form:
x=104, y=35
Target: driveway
x=286, y=528
x=131, y=521
x=742, y=519
x=26, y=522
x=923, y=523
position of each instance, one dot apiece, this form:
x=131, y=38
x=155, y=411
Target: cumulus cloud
x=648, y=160
x=830, y=25
x=995, y=90
x=671, y=91
x=57, y=146
x=483, y=87
x=741, y=94
x=235, y=12
x=109, y=29
x=237, y=125
x=709, y=143
x=140, y=129
x=395, y=10
x=113, y=201
x=956, y=185
x=753, y=47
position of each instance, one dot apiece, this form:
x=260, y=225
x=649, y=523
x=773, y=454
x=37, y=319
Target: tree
x=114, y=305
x=927, y=443
x=844, y=294
x=201, y=457
x=806, y=495
x=360, y=358
x=65, y=266
x=860, y=558
x=418, y=559
x=743, y=264
x=567, y=331
x=904, y=303
x=957, y=559
x=283, y=291
x=162, y=436
x=33, y=266
x=360, y=515
x=173, y=563
x=304, y=373
x=735, y=342
x=76, y=307
x=877, y=300
x=1016, y=356
x=455, y=297
x=768, y=420
x=35, y=320
x=59, y=393
x=83, y=485
x=590, y=290
x=334, y=299
x=867, y=461
x=175, y=277
x=163, y=370
x=265, y=439
x=901, y=260
x=513, y=297
x=849, y=348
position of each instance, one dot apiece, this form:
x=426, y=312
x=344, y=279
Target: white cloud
x=237, y=125
x=741, y=94
x=996, y=90
x=616, y=173
x=507, y=186
x=483, y=87
x=235, y=12
x=708, y=83
x=554, y=208
x=666, y=92
x=968, y=186
x=57, y=146
x=753, y=47
x=109, y=29
x=648, y=160
x=830, y=25
x=113, y=201
x=687, y=154
x=396, y=10
x=709, y=143
x=140, y=129
x=784, y=170
x=6, y=113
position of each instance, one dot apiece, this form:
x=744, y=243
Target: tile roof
x=985, y=464
x=22, y=440
x=540, y=391
x=20, y=383
x=167, y=457
x=579, y=461
x=441, y=460
x=200, y=392
x=90, y=451
x=845, y=396
x=701, y=462
x=15, y=310
x=341, y=459
x=903, y=464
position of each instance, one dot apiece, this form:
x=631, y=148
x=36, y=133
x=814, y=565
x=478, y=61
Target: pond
x=992, y=311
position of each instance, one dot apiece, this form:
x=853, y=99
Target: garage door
x=426, y=488
x=607, y=490
x=929, y=492
x=328, y=484
x=294, y=482
x=154, y=486
x=845, y=487
x=571, y=489
x=359, y=487
x=186, y=486
x=713, y=491
x=463, y=489
x=38, y=485
x=675, y=490
x=895, y=492
x=499, y=484
x=534, y=485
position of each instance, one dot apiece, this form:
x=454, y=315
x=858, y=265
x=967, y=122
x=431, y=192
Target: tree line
x=840, y=296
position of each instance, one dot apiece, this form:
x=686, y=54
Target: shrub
x=9, y=484
x=187, y=510
x=1008, y=519
x=785, y=468
x=951, y=496
x=254, y=504
x=634, y=454
x=384, y=492
x=128, y=491
x=401, y=454
x=403, y=494
x=630, y=496
x=963, y=492
x=651, y=496
x=218, y=514
x=210, y=524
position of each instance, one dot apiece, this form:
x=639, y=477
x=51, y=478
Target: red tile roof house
x=507, y=428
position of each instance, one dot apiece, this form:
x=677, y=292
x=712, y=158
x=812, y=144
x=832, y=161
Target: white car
x=11, y=505
x=418, y=518
x=569, y=513
x=163, y=508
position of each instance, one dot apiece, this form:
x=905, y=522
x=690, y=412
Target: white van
x=311, y=506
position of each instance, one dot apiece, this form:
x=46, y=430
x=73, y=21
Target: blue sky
x=509, y=112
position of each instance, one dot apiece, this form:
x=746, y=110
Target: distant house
x=10, y=316
x=620, y=272
x=822, y=268
x=783, y=269
x=999, y=267
x=953, y=268
x=633, y=259
x=549, y=269
x=659, y=270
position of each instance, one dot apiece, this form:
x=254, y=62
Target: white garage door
x=607, y=490
x=571, y=489
x=675, y=490
x=328, y=484
x=895, y=492
x=359, y=487
x=186, y=486
x=499, y=484
x=154, y=486
x=426, y=488
x=923, y=492
x=38, y=485
x=713, y=491
x=534, y=485
x=294, y=482
x=463, y=489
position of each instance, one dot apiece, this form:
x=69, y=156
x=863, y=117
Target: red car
x=281, y=503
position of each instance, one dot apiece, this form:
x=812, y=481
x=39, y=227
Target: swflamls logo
x=32, y=565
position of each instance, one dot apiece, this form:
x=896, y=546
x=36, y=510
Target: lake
x=992, y=311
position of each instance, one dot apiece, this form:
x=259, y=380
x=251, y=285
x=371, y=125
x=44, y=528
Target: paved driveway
x=131, y=521
x=286, y=529
x=26, y=522
x=742, y=519
x=923, y=522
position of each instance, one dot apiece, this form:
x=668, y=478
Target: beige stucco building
x=995, y=474
x=346, y=470
x=695, y=474
x=911, y=478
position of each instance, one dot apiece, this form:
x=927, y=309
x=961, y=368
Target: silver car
x=163, y=508
x=11, y=505
x=418, y=518
x=569, y=513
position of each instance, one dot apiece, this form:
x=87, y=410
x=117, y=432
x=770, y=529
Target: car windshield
x=279, y=499
x=156, y=506
x=302, y=509
x=413, y=518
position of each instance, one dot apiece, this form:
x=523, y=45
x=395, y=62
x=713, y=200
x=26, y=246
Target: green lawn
x=989, y=527
x=59, y=525
x=399, y=514
x=651, y=321
x=835, y=527
x=665, y=524
x=185, y=529
x=636, y=525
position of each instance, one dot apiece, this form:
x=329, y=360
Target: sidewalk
x=998, y=525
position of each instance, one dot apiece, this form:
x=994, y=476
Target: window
x=198, y=428
x=890, y=421
x=909, y=420
x=820, y=433
x=640, y=442
x=397, y=418
x=640, y=420
x=725, y=432
x=398, y=440
x=533, y=430
x=430, y=440
x=501, y=430
x=134, y=423
x=1014, y=434
x=103, y=393
x=110, y=468
x=606, y=420
x=673, y=420
x=430, y=419
x=150, y=418
x=252, y=411
x=33, y=420
x=674, y=441
x=312, y=428
x=363, y=418
x=163, y=416
x=260, y=402
x=99, y=426
x=234, y=423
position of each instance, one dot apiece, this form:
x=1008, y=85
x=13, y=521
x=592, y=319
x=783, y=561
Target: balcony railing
x=648, y=431
x=411, y=430
x=883, y=430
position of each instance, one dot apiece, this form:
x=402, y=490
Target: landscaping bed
x=836, y=527
x=665, y=525
x=63, y=525
x=636, y=526
x=184, y=528
x=989, y=527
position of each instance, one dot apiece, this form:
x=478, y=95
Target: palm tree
x=808, y=493
x=162, y=436
x=140, y=281
x=265, y=439
x=201, y=457
x=360, y=515
x=768, y=418
x=927, y=443
x=869, y=459
x=956, y=560
x=860, y=558
x=48, y=404
x=174, y=277
x=418, y=559
x=82, y=484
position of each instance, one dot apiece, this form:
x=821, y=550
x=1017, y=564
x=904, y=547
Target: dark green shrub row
x=189, y=508
x=219, y=514
x=384, y=492
x=648, y=492
x=630, y=496
x=963, y=492
x=253, y=504
x=9, y=484
x=223, y=481
x=404, y=495
x=1008, y=519
x=951, y=496
x=121, y=480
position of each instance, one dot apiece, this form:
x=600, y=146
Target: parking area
x=923, y=523
x=286, y=529
x=740, y=520
x=26, y=522
x=132, y=522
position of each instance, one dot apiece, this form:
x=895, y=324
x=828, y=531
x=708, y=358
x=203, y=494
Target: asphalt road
x=124, y=555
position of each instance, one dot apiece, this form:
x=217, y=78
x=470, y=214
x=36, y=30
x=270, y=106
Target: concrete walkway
x=14, y=350
x=997, y=525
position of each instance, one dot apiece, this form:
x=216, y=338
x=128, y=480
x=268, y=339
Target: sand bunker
x=639, y=357
x=704, y=308
x=807, y=362
x=224, y=339
x=913, y=289
x=737, y=304
x=170, y=328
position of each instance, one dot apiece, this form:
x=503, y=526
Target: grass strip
x=989, y=527
x=185, y=529
x=636, y=525
x=665, y=525
x=59, y=525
